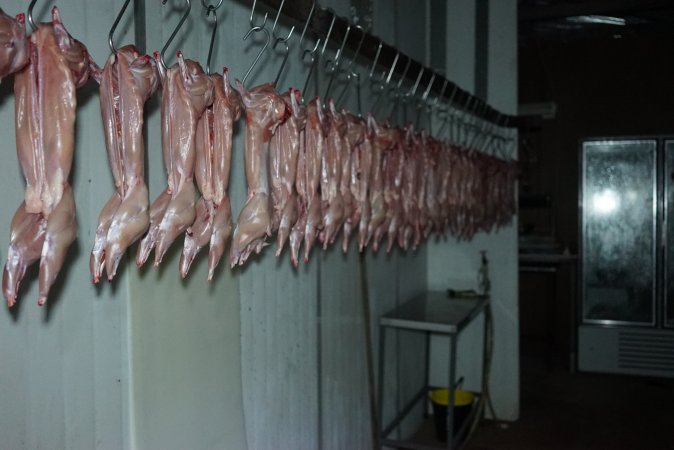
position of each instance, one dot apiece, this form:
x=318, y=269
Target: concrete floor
x=581, y=411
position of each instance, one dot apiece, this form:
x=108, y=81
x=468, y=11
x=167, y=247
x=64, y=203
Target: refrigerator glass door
x=669, y=235
x=618, y=229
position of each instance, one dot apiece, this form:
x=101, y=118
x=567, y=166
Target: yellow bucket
x=461, y=397
x=463, y=402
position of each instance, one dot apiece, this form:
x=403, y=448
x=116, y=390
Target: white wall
x=304, y=362
x=64, y=375
x=146, y=362
x=455, y=264
x=263, y=357
x=185, y=334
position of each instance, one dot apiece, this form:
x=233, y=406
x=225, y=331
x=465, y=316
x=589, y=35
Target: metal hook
x=402, y=77
x=308, y=50
x=375, y=106
x=413, y=91
x=30, y=15
x=463, y=137
x=327, y=36
x=286, y=51
x=393, y=67
x=351, y=75
x=175, y=31
x=360, y=44
x=273, y=27
x=376, y=84
x=281, y=40
x=424, y=96
x=313, y=52
x=433, y=104
x=334, y=65
x=395, y=91
x=259, y=55
x=304, y=30
x=211, y=9
x=114, y=26
x=250, y=20
x=376, y=58
x=442, y=93
x=446, y=110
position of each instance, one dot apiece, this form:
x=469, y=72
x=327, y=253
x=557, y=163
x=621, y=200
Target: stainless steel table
x=430, y=312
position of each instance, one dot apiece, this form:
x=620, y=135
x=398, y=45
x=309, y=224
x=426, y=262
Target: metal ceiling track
x=298, y=10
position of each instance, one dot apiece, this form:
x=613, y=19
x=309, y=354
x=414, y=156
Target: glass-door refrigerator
x=627, y=266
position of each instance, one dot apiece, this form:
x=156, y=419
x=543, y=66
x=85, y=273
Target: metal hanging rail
x=322, y=19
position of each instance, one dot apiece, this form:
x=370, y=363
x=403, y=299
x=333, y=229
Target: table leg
x=426, y=372
x=452, y=388
x=380, y=382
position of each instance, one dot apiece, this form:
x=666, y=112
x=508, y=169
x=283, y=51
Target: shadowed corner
x=56, y=291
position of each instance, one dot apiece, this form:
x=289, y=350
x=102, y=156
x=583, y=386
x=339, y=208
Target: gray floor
x=564, y=411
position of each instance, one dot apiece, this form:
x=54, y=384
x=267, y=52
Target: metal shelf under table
x=432, y=312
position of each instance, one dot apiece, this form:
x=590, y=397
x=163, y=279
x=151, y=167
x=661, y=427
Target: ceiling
x=565, y=20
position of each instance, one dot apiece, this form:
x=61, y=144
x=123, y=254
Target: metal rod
x=111, y=44
x=298, y=10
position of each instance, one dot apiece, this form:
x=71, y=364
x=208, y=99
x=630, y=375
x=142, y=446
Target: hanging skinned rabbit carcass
x=127, y=82
x=13, y=43
x=265, y=111
x=186, y=93
x=44, y=226
x=213, y=224
x=283, y=155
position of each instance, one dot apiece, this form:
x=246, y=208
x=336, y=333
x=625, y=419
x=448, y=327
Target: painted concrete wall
x=455, y=264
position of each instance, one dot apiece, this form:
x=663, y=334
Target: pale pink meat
x=352, y=166
x=127, y=82
x=283, y=156
x=365, y=161
x=444, y=172
x=213, y=224
x=420, y=150
x=13, y=44
x=393, y=176
x=430, y=195
x=315, y=141
x=384, y=140
x=332, y=201
x=44, y=226
x=265, y=111
x=297, y=230
x=410, y=224
x=186, y=93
